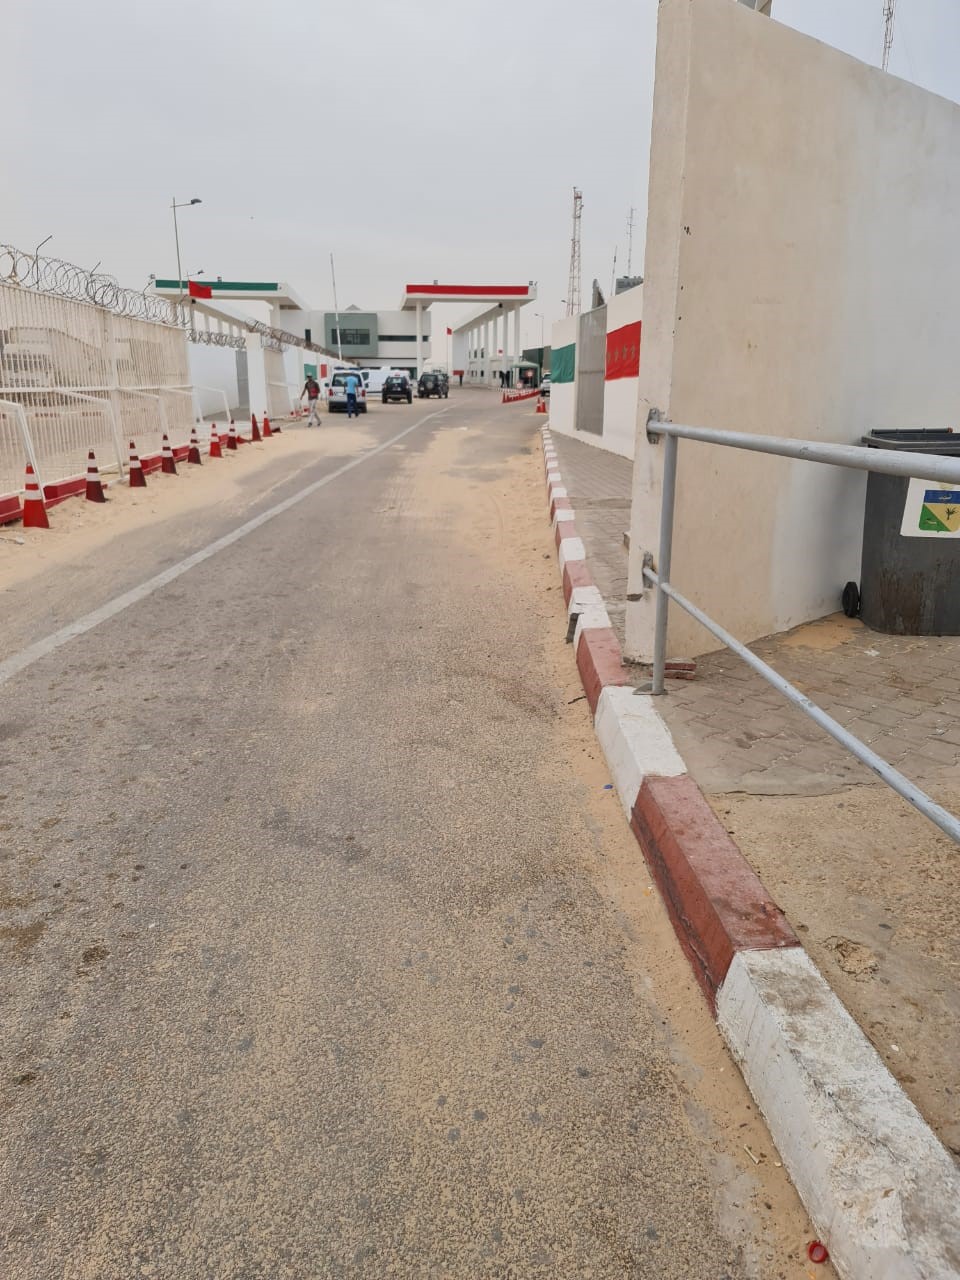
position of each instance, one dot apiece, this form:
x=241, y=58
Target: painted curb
x=882, y=1191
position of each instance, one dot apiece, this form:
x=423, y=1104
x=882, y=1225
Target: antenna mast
x=889, y=14
x=631, y=220
x=573, y=284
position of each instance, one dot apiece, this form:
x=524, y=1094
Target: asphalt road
x=302, y=971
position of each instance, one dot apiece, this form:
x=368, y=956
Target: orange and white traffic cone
x=267, y=429
x=541, y=405
x=94, y=492
x=137, y=479
x=193, y=455
x=254, y=429
x=34, y=512
x=232, y=437
x=167, y=464
x=215, y=450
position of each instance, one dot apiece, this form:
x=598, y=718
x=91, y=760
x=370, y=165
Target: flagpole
x=336, y=309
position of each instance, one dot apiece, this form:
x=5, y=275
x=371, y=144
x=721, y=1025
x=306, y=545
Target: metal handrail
x=929, y=466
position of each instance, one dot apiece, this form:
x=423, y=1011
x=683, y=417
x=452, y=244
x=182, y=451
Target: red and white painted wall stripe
x=862, y=1158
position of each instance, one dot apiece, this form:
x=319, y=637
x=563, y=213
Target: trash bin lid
x=916, y=440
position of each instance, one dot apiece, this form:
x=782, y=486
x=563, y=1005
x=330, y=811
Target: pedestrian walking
x=352, y=384
x=311, y=389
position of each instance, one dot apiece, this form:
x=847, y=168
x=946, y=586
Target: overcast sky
x=418, y=140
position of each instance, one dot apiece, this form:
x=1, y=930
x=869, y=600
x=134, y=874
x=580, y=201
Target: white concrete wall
x=620, y=394
x=801, y=277
x=563, y=395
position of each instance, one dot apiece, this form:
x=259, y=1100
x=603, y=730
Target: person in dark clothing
x=311, y=389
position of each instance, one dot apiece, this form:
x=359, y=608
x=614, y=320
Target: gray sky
x=435, y=139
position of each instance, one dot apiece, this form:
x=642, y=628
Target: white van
x=375, y=378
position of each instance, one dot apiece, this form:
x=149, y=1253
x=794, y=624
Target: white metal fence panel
x=86, y=378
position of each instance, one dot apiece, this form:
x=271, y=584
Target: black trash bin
x=909, y=586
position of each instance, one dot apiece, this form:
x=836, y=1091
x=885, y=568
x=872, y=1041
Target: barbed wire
x=67, y=280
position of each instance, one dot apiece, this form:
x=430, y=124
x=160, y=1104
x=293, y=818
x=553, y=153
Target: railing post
x=668, y=495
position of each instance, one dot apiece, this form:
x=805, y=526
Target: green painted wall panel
x=563, y=363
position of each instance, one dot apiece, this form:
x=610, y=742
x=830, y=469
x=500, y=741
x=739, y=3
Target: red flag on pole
x=199, y=290
x=449, y=333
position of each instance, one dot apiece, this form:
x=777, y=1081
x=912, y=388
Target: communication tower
x=631, y=221
x=573, y=284
x=889, y=14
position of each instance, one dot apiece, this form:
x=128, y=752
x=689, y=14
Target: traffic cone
x=254, y=429
x=194, y=452
x=215, y=450
x=34, y=512
x=137, y=479
x=167, y=464
x=94, y=491
x=232, y=437
x=267, y=429
x=541, y=405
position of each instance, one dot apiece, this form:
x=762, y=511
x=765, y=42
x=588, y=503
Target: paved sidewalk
x=872, y=888
x=598, y=483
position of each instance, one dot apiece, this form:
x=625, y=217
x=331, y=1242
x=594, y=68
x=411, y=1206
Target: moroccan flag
x=199, y=290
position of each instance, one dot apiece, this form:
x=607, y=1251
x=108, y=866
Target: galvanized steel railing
x=928, y=466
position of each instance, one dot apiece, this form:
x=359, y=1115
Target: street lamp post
x=185, y=204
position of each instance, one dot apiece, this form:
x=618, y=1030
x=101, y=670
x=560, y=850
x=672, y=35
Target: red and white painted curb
x=882, y=1191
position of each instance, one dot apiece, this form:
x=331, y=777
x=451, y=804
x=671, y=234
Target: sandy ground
x=752, y=1184
x=874, y=892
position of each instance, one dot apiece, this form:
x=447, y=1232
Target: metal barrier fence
x=86, y=364
x=83, y=377
x=923, y=465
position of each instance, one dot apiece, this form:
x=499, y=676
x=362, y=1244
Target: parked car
x=337, y=397
x=397, y=387
x=545, y=385
x=433, y=382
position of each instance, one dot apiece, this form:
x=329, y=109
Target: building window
x=352, y=337
x=398, y=337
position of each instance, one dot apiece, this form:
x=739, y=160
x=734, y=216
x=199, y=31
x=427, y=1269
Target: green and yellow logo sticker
x=940, y=512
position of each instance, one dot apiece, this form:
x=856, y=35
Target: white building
x=370, y=339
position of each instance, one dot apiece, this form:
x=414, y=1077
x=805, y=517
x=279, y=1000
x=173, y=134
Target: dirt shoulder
x=874, y=892
x=502, y=511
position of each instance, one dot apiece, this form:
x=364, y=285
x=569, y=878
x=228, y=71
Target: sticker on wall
x=931, y=510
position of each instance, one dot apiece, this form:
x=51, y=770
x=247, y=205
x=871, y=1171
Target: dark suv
x=397, y=387
x=434, y=383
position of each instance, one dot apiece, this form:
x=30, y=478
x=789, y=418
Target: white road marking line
x=42, y=648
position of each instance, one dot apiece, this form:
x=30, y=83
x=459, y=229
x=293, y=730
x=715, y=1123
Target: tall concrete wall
x=801, y=278
x=563, y=395
x=624, y=315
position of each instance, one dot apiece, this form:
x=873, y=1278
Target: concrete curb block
x=882, y=1191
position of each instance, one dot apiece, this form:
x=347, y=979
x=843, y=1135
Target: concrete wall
x=563, y=395
x=801, y=277
x=620, y=393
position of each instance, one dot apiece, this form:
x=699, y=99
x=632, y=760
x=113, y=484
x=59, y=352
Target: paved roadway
x=302, y=970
